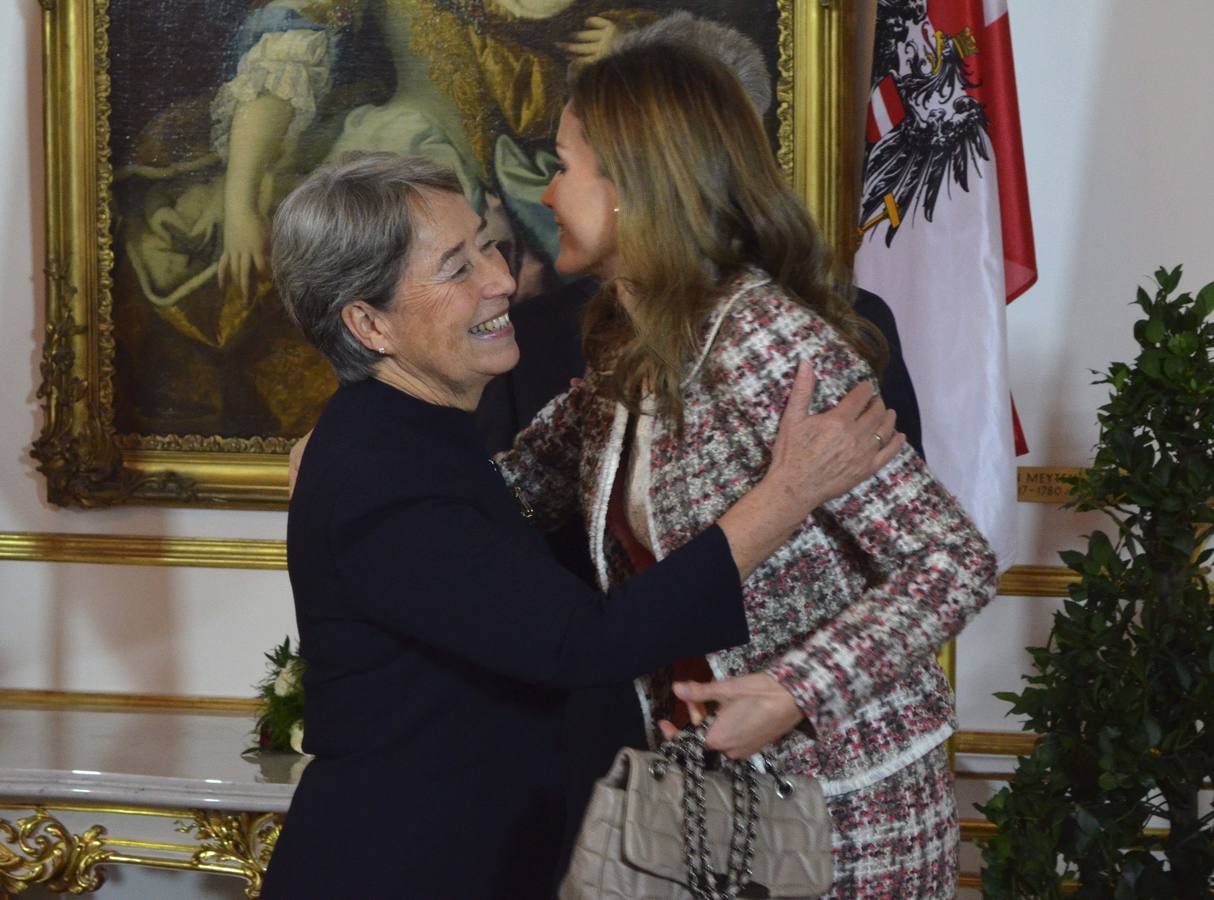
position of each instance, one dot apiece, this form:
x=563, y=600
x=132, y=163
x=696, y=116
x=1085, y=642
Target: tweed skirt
x=898, y=838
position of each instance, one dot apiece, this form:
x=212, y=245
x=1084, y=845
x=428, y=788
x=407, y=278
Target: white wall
x=1117, y=129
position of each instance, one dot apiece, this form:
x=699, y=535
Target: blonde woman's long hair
x=701, y=197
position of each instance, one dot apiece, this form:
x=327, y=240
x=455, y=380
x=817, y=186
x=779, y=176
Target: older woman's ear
x=296, y=457
x=362, y=322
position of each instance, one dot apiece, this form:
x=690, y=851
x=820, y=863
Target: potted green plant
x=1123, y=690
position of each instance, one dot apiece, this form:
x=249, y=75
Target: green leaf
x=1087, y=823
x=1182, y=343
x=1168, y=280
x=1101, y=550
x=1182, y=675
x=1151, y=727
x=1154, y=331
x=1073, y=560
x=1125, y=889
x=1205, y=302
x=1151, y=362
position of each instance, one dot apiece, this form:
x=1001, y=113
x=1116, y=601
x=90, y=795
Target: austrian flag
x=946, y=237
x=885, y=111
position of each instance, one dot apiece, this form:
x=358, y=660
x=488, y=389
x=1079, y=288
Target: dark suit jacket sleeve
x=438, y=570
x=896, y=388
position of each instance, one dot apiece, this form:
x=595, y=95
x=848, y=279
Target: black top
x=896, y=388
x=441, y=638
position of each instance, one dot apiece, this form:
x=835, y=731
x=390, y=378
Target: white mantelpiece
x=161, y=789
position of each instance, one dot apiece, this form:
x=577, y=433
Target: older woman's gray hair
x=344, y=234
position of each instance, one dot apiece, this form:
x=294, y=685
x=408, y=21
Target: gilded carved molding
x=79, y=455
x=99, y=701
x=994, y=743
x=813, y=143
x=238, y=553
x=38, y=849
x=241, y=840
x=1036, y=581
x=77, y=450
x=133, y=550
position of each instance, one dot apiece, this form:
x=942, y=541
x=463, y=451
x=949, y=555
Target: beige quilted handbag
x=657, y=822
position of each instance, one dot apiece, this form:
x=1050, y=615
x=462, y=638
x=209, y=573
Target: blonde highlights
x=701, y=197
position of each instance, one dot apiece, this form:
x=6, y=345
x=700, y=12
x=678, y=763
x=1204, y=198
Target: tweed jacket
x=850, y=613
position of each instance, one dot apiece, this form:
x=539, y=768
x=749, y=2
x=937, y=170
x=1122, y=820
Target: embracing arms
x=933, y=570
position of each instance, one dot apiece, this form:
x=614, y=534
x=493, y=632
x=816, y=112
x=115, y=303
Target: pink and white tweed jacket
x=850, y=613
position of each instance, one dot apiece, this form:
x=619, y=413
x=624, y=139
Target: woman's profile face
x=583, y=201
x=448, y=324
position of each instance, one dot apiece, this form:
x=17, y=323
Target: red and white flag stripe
x=949, y=280
x=885, y=111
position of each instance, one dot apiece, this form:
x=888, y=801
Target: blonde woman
x=716, y=286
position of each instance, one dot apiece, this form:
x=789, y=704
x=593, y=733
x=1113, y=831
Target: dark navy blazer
x=441, y=640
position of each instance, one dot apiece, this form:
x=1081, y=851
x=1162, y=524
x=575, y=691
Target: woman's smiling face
x=584, y=202
x=448, y=331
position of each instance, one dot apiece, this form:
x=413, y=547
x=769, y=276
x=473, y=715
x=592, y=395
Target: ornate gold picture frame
x=161, y=387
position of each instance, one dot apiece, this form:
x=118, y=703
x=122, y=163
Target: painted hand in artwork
x=246, y=252
x=593, y=42
x=254, y=145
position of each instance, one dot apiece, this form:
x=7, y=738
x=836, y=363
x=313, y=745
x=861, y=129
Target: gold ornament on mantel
x=244, y=841
x=39, y=849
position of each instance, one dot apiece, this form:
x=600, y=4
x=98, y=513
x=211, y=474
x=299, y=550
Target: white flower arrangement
x=280, y=724
x=297, y=736
x=289, y=678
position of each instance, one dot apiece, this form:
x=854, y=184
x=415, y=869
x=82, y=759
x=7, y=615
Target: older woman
x=440, y=637
x=716, y=288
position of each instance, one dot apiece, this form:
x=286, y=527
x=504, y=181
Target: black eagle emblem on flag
x=926, y=132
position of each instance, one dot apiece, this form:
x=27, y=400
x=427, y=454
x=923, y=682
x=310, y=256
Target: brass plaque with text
x=1043, y=484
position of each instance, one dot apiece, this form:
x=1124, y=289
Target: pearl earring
x=615, y=209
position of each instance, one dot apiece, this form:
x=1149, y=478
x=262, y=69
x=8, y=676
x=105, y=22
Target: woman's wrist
x=758, y=524
x=787, y=503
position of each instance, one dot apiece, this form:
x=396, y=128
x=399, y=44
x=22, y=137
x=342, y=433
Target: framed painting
x=173, y=127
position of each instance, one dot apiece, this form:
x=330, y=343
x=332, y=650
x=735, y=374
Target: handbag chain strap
x=687, y=751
